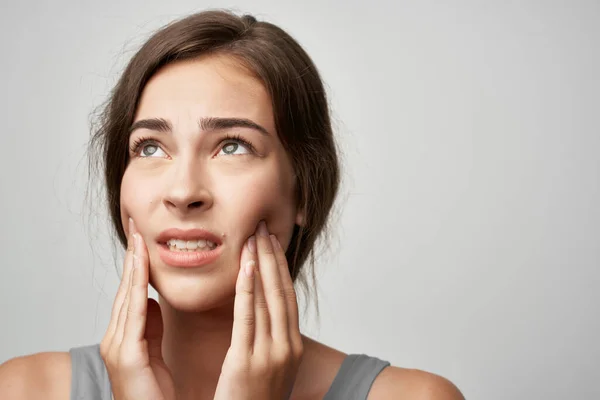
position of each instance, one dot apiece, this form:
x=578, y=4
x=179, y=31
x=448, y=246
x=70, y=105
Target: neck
x=194, y=347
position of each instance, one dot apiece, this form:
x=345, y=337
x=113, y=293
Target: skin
x=265, y=349
x=235, y=192
x=187, y=179
x=188, y=182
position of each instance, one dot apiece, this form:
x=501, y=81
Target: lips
x=188, y=234
x=191, y=259
x=188, y=259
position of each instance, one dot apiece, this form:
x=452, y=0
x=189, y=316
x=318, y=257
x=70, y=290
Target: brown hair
x=298, y=97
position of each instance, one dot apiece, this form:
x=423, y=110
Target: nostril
x=195, y=204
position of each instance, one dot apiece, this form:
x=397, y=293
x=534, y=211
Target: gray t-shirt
x=90, y=379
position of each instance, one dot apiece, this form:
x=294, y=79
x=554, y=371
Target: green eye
x=230, y=148
x=145, y=148
x=235, y=146
x=149, y=150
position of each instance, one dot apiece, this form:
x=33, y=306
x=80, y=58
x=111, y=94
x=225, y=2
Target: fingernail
x=275, y=242
x=252, y=244
x=130, y=225
x=262, y=229
x=249, y=268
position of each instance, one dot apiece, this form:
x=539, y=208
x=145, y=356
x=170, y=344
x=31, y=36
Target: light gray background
x=468, y=243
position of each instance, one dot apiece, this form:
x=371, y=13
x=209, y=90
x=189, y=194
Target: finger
x=271, y=281
x=290, y=293
x=135, y=324
x=244, y=321
x=125, y=280
x=261, y=311
x=118, y=335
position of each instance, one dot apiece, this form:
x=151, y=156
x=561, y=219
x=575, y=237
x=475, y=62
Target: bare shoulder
x=402, y=383
x=42, y=375
x=319, y=366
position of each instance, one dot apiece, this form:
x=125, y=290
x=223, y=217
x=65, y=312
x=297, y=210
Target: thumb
x=154, y=329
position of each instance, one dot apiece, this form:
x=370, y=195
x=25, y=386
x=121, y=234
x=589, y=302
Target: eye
x=235, y=146
x=146, y=148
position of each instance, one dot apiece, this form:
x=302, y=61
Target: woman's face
x=187, y=174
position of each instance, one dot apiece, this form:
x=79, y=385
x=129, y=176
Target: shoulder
x=402, y=383
x=41, y=375
x=321, y=364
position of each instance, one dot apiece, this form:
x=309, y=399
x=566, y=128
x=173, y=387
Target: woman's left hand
x=266, y=345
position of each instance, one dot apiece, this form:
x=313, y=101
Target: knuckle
x=290, y=293
x=282, y=358
x=297, y=350
x=132, y=312
x=136, y=288
x=267, y=248
x=108, y=356
x=243, y=289
x=279, y=292
x=103, y=349
x=261, y=304
x=282, y=261
x=261, y=366
x=236, y=364
x=248, y=320
x=238, y=370
x=247, y=291
x=284, y=355
x=135, y=296
x=127, y=360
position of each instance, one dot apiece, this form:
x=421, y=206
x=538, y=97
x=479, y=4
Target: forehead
x=208, y=86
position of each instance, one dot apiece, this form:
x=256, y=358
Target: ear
x=300, y=218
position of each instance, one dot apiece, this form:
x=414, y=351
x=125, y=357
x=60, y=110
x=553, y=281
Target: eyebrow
x=205, y=124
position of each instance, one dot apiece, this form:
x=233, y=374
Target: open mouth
x=189, y=247
x=173, y=255
x=179, y=245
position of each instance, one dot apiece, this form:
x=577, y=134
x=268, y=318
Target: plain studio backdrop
x=468, y=237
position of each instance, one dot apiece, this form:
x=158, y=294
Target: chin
x=195, y=290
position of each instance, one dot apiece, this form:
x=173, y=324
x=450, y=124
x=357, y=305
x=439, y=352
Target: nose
x=187, y=190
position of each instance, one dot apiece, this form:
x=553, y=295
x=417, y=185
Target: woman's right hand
x=131, y=347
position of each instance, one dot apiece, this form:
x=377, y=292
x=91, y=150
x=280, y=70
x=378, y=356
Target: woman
x=221, y=170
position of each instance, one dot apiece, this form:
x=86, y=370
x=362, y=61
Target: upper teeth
x=191, y=244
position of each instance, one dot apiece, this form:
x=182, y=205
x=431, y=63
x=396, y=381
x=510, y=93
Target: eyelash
x=137, y=145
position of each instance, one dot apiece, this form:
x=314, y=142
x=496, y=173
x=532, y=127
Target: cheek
x=136, y=198
x=128, y=200
x=267, y=197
